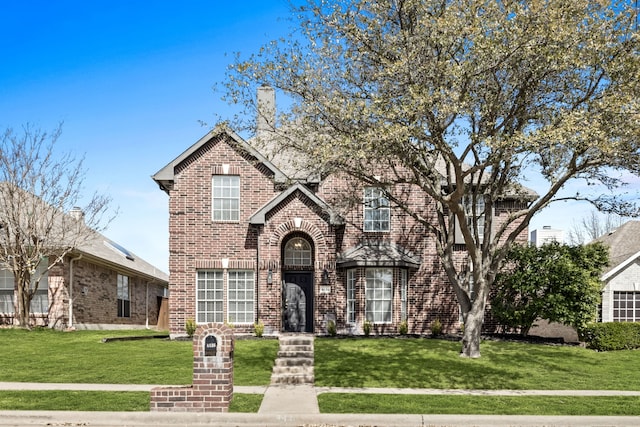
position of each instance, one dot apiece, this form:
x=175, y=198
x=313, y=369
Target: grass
x=429, y=363
x=51, y=356
x=100, y=401
x=342, y=403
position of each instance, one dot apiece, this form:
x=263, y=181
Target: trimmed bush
x=612, y=336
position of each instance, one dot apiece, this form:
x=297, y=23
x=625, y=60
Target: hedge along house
x=252, y=239
x=99, y=285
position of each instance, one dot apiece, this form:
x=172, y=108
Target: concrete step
x=294, y=365
x=293, y=370
x=290, y=379
x=294, y=361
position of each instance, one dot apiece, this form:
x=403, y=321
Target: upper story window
x=377, y=213
x=226, y=198
x=473, y=213
x=297, y=252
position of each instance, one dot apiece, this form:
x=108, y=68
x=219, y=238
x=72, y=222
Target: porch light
x=325, y=278
x=269, y=277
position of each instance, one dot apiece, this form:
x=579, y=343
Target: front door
x=297, y=295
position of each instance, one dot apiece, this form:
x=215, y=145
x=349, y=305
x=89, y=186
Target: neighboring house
x=545, y=235
x=253, y=240
x=621, y=279
x=100, y=285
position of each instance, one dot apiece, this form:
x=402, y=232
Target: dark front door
x=298, y=301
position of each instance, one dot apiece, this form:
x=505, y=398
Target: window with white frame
x=226, y=198
x=377, y=213
x=210, y=296
x=241, y=296
x=297, y=252
x=351, y=296
x=40, y=299
x=626, y=306
x=124, y=297
x=7, y=291
x=476, y=212
x=378, y=294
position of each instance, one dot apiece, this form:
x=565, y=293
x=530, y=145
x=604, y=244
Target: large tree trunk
x=473, y=321
x=24, y=302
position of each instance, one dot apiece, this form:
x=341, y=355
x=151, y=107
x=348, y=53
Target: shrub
x=403, y=328
x=611, y=336
x=258, y=328
x=436, y=328
x=190, y=327
x=331, y=328
x=366, y=327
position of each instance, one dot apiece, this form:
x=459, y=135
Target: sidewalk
x=298, y=406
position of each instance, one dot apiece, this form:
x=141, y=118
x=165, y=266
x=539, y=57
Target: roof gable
x=165, y=176
x=624, y=247
x=259, y=217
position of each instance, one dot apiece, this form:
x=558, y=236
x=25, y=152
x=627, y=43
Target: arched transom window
x=297, y=252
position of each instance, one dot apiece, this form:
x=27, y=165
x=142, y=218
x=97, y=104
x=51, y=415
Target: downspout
x=70, y=322
x=257, y=276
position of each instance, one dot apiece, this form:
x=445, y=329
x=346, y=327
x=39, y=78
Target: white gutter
x=70, y=322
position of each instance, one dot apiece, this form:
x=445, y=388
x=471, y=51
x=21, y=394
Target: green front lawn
x=82, y=357
x=431, y=363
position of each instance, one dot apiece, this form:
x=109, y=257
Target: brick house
x=100, y=285
x=253, y=240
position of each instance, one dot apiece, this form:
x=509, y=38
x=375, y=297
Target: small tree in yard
x=38, y=189
x=459, y=100
x=556, y=282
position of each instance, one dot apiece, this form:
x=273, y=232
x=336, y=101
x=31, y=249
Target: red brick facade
x=94, y=297
x=272, y=212
x=212, y=388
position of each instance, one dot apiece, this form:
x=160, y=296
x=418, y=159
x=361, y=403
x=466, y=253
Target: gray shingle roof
x=623, y=243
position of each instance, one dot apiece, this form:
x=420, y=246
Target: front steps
x=294, y=364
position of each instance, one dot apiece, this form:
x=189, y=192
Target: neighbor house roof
x=102, y=250
x=624, y=247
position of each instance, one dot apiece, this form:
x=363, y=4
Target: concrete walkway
x=298, y=406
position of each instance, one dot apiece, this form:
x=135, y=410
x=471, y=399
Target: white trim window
x=241, y=296
x=378, y=295
x=124, y=296
x=351, y=296
x=7, y=292
x=297, y=252
x=626, y=306
x=209, y=296
x=40, y=300
x=225, y=198
x=377, y=213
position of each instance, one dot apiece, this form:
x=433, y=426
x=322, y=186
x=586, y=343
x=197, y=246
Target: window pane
x=379, y=295
x=240, y=296
x=209, y=294
x=226, y=198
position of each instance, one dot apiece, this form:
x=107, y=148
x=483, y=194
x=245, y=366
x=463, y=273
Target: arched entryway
x=297, y=288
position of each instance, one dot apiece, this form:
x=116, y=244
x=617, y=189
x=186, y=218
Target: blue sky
x=132, y=81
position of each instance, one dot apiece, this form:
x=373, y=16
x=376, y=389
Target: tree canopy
x=39, y=190
x=556, y=282
x=462, y=100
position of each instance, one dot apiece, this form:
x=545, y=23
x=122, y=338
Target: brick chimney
x=266, y=120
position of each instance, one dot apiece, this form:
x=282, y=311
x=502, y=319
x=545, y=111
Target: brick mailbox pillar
x=212, y=388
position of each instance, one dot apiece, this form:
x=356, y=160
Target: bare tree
x=461, y=99
x=592, y=226
x=41, y=215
